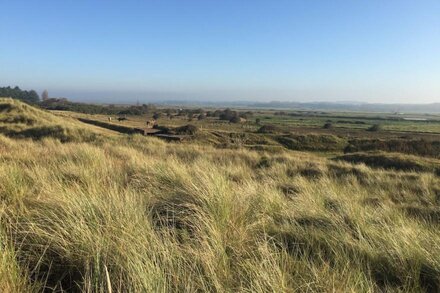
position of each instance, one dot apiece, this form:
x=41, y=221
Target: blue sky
x=373, y=51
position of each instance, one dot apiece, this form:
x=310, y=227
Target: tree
x=30, y=97
x=45, y=95
x=156, y=116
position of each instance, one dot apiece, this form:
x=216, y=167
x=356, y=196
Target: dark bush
x=327, y=125
x=269, y=129
x=227, y=114
x=186, y=130
x=375, y=127
x=235, y=119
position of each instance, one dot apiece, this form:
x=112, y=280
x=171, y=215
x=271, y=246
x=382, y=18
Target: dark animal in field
x=122, y=118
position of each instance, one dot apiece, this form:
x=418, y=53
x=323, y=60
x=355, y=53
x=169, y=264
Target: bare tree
x=45, y=95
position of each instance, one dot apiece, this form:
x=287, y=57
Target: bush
x=227, y=114
x=375, y=127
x=235, y=119
x=327, y=125
x=269, y=129
x=186, y=129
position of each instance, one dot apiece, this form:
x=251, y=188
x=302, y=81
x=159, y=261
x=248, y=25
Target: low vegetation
x=375, y=127
x=312, y=142
x=393, y=161
x=127, y=213
x=420, y=147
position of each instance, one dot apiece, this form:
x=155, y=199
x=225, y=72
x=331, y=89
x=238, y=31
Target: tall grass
x=133, y=214
x=20, y=120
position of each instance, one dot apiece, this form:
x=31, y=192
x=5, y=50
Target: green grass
x=358, y=121
x=136, y=214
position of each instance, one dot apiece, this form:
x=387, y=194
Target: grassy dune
x=135, y=214
x=20, y=120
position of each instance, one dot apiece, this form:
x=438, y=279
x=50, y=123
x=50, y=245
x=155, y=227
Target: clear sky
x=311, y=50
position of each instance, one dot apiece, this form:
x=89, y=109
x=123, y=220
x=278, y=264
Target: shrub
x=269, y=129
x=186, y=129
x=235, y=119
x=375, y=127
x=327, y=125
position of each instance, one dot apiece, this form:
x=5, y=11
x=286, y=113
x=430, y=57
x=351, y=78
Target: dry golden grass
x=135, y=214
x=20, y=120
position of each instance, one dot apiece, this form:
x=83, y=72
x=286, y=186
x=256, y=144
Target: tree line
x=30, y=97
x=64, y=104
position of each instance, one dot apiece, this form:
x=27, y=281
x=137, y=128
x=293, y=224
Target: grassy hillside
x=135, y=214
x=20, y=120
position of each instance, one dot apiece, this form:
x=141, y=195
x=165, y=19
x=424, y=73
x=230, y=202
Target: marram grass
x=135, y=214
